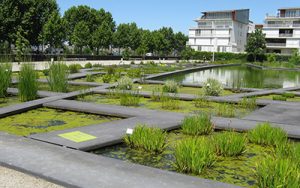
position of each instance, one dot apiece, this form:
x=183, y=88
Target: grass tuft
x=28, y=85
x=170, y=86
x=197, y=125
x=58, y=77
x=5, y=78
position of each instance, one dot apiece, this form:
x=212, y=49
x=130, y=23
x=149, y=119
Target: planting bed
x=234, y=170
x=218, y=109
x=46, y=120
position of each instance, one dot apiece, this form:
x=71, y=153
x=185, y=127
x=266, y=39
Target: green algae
x=233, y=170
x=45, y=120
x=10, y=100
x=184, y=106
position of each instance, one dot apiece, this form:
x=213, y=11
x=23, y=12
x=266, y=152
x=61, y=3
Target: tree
x=22, y=44
x=102, y=37
x=295, y=58
x=180, y=42
x=80, y=37
x=164, y=41
x=256, y=44
x=54, y=31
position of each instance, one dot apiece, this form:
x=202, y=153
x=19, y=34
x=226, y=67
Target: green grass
x=248, y=103
x=197, y=125
x=264, y=134
x=170, y=86
x=125, y=83
x=229, y=144
x=271, y=97
x=169, y=103
x=58, y=77
x=277, y=172
x=226, y=110
x=288, y=95
x=194, y=155
x=129, y=98
x=5, y=78
x=279, y=98
x=27, y=85
x=147, y=138
x=74, y=68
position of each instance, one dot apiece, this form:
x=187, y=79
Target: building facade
x=220, y=31
x=283, y=31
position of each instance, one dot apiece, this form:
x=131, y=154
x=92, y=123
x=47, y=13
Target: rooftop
x=223, y=11
x=290, y=8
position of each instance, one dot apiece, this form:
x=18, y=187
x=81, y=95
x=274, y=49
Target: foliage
x=248, y=103
x=80, y=37
x=88, y=65
x=156, y=94
x=264, y=134
x=288, y=95
x=129, y=98
x=194, y=155
x=89, y=78
x=58, y=77
x=107, y=78
x=5, y=78
x=125, y=83
x=170, y=86
x=226, y=110
x=201, y=101
x=271, y=58
x=147, y=138
x=212, y=87
x=256, y=44
x=169, y=102
x=277, y=172
x=295, y=58
x=229, y=144
x=74, y=68
x=28, y=85
x=197, y=125
x=279, y=98
x=22, y=45
x=102, y=37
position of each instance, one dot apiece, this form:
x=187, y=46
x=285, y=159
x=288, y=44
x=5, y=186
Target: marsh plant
x=74, y=68
x=58, y=77
x=248, y=103
x=212, y=87
x=194, y=155
x=130, y=98
x=277, y=172
x=88, y=65
x=265, y=134
x=125, y=83
x=279, y=98
x=226, y=110
x=28, y=85
x=169, y=102
x=146, y=138
x=170, y=86
x=156, y=94
x=107, y=78
x=89, y=78
x=230, y=144
x=201, y=101
x=197, y=125
x=5, y=78
x=288, y=95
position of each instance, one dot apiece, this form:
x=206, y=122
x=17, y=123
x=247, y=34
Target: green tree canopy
x=102, y=37
x=80, y=37
x=256, y=44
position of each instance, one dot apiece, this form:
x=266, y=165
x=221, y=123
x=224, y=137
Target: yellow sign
x=77, y=136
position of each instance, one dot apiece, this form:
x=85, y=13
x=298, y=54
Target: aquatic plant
x=212, y=87
x=201, y=101
x=288, y=95
x=74, y=68
x=197, y=125
x=28, y=85
x=89, y=78
x=156, y=94
x=125, y=83
x=229, y=144
x=169, y=102
x=170, y=86
x=134, y=73
x=58, y=77
x=110, y=69
x=248, y=103
x=226, y=110
x=106, y=78
x=277, y=172
x=264, y=134
x=193, y=155
x=129, y=98
x=5, y=78
x=279, y=98
x=88, y=65
x=146, y=138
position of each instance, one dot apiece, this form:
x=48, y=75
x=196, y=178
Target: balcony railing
x=285, y=34
x=276, y=44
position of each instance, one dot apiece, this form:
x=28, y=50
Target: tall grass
x=197, y=125
x=248, y=103
x=89, y=78
x=193, y=155
x=28, y=85
x=156, y=94
x=278, y=172
x=170, y=86
x=125, y=83
x=74, y=68
x=201, y=101
x=5, y=78
x=58, y=77
x=230, y=144
x=226, y=110
x=129, y=98
x=169, y=102
x=264, y=134
x=147, y=138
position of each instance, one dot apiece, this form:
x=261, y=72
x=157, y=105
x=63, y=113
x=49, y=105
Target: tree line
x=31, y=24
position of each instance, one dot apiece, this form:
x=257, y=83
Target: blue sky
x=178, y=14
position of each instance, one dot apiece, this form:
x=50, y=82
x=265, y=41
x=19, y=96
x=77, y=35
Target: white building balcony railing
x=277, y=44
x=285, y=34
x=278, y=25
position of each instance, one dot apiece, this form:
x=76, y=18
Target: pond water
x=241, y=76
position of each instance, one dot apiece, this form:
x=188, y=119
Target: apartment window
x=198, y=32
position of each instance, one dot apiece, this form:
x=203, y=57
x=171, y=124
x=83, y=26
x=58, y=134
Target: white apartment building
x=283, y=31
x=220, y=31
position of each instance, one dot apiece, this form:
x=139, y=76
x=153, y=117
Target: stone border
x=272, y=68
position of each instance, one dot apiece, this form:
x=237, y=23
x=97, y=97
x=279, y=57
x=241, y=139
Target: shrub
x=197, y=125
x=106, y=78
x=212, y=87
x=201, y=101
x=134, y=73
x=74, y=68
x=169, y=103
x=229, y=144
x=58, y=77
x=288, y=95
x=5, y=78
x=193, y=155
x=264, y=134
x=277, y=172
x=89, y=78
x=248, y=103
x=125, y=83
x=147, y=139
x=110, y=69
x=226, y=110
x=279, y=98
x=295, y=58
x=28, y=85
x=129, y=99
x=88, y=65
x=271, y=58
x=170, y=86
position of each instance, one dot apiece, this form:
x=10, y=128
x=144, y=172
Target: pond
x=242, y=76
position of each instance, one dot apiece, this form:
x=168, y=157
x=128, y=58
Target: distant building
x=283, y=31
x=220, y=31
